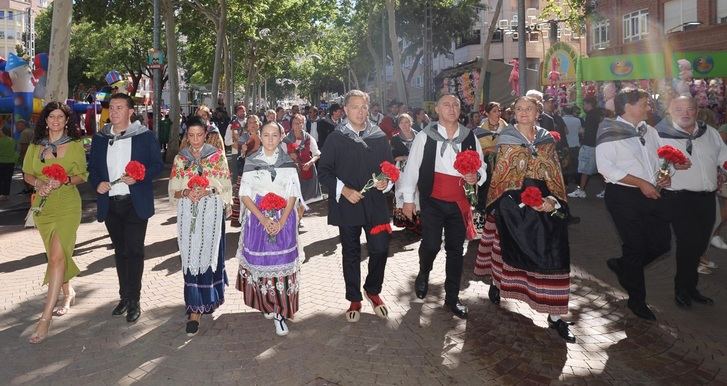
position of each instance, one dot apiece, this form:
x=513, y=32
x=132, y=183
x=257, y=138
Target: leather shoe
x=494, y=294
x=699, y=298
x=421, y=285
x=642, y=311
x=562, y=327
x=458, y=309
x=682, y=300
x=120, y=308
x=133, y=313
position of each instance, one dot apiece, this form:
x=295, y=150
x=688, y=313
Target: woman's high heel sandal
x=68, y=301
x=37, y=337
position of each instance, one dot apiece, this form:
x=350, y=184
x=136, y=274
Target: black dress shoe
x=562, y=327
x=682, y=300
x=458, y=309
x=642, y=311
x=699, y=298
x=421, y=285
x=494, y=294
x=120, y=308
x=192, y=327
x=133, y=313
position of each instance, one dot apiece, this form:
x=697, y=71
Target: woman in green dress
x=56, y=141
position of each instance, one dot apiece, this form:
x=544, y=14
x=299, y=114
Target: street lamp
x=684, y=26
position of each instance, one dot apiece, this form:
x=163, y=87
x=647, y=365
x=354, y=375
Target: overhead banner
x=704, y=64
x=560, y=58
x=623, y=67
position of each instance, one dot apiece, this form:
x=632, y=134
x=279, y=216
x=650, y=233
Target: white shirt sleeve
x=228, y=135
x=339, y=189
x=483, y=166
x=408, y=182
x=605, y=153
x=314, y=147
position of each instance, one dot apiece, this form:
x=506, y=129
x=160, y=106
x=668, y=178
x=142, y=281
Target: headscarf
x=190, y=161
x=255, y=162
x=614, y=130
x=134, y=129
x=47, y=144
x=666, y=129
x=432, y=132
x=511, y=136
x=370, y=131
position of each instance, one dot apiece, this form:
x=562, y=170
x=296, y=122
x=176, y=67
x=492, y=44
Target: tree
x=168, y=8
x=396, y=52
x=218, y=18
x=573, y=12
x=57, y=84
x=486, y=40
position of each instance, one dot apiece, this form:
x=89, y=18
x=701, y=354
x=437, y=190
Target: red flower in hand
x=671, y=155
x=390, y=170
x=532, y=197
x=381, y=228
x=55, y=172
x=272, y=202
x=467, y=162
x=555, y=135
x=198, y=182
x=135, y=170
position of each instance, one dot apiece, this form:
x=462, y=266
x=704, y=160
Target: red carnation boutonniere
x=389, y=172
x=468, y=162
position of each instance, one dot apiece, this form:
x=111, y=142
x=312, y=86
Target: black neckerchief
x=666, y=129
x=614, y=130
x=432, y=132
x=370, y=131
x=190, y=161
x=47, y=144
x=256, y=162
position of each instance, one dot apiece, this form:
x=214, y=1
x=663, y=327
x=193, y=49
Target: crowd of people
x=288, y=160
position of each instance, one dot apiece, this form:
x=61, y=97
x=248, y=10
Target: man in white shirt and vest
x=690, y=200
x=444, y=207
x=626, y=155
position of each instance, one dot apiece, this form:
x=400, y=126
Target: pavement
x=420, y=343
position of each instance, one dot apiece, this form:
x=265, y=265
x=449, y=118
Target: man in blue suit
x=125, y=207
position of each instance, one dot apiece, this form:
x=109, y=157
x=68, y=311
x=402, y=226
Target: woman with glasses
x=532, y=262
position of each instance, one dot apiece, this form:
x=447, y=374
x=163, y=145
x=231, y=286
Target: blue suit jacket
x=145, y=149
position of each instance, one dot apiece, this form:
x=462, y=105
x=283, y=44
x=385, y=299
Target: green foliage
x=573, y=12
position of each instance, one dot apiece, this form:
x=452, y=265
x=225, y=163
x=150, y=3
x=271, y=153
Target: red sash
x=450, y=189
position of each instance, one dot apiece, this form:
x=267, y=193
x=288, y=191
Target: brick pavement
x=419, y=344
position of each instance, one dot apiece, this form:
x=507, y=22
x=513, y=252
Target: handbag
x=29, y=221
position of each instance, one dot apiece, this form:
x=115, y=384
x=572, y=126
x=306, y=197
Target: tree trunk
x=378, y=61
x=230, y=79
x=396, y=52
x=60, y=42
x=417, y=59
x=220, y=24
x=486, y=40
x=226, y=72
x=173, y=74
x=355, y=77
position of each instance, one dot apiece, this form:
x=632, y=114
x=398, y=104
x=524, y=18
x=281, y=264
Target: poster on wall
x=559, y=65
x=623, y=67
x=704, y=64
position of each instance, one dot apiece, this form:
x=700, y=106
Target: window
x=2, y=35
x=2, y=15
x=721, y=11
x=10, y=15
x=677, y=13
x=635, y=26
x=599, y=35
x=418, y=81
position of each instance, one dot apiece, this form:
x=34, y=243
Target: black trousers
x=378, y=247
x=438, y=216
x=127, y=232
x=692, y=217
x=645, y=235
x=6, y=178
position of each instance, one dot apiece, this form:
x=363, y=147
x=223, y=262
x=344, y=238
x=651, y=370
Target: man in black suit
x=327, y=125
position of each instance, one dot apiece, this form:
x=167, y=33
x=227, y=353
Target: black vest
x=426, y=169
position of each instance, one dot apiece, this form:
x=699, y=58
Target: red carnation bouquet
x=670, y=156
x=468, y=162
x=133, y=169
x=389, y=172
x=270, y=205
x=533, y=197
x=53, y=172
x=196, y=183
x=555, y=135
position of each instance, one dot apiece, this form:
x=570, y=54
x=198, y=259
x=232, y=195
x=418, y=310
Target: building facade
x=16, y=24
x=645, y=26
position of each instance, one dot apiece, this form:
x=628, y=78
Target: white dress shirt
x=118, y=156
x=708, y=153
x=314, y=130
x=442, y=164
x=617, y=159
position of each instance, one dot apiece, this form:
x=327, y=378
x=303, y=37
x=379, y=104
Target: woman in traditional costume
x=400, y=146
x=303, y=150
x=201, y=214
x=487, y=134
x=528, y=254
x=269, y=250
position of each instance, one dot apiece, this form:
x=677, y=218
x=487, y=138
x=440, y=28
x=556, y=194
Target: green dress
x=61, y=213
